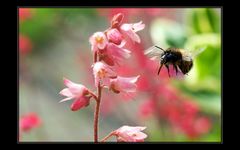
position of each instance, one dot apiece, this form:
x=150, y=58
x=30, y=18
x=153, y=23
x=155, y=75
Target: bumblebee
x=180, y=59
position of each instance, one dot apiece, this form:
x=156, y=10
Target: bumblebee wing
x=186, y=55
x=154, y=53
x=195, y=53
x=189, y=55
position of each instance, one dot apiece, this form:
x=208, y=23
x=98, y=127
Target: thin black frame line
x=90, y=142
x=216, y=6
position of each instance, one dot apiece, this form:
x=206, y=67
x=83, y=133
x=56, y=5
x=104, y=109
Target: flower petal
x=99, y=40
x=130, y=29
x=118, y=53
x=74, y=89
x=122, y=43
x=65, y=99
x=131, y=34
x=126, y=26
x=125, y=84
x=130, y=134
x=102, y=45
x=138, y=26
x=67, y=82
x=114, y=36
x=66, y=92
x=134, y=79
x=80, y=103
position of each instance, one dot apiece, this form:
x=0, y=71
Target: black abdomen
x=185, y=66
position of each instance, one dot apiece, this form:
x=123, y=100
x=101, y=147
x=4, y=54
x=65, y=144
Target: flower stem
x=108, y=136
x=93, y=95
x=96, y=114
x=95, y=57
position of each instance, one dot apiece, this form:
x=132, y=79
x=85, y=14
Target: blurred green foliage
x=205, y=20
x=46, y=24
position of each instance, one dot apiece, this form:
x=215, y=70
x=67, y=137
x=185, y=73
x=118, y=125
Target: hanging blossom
x=128, y=134
x=78, y=92
x=108, y=51
x=123, y=84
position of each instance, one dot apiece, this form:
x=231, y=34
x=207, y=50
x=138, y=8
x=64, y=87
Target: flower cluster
x=181, y=113
x=78, y=92
x=109, y=46
x=108, y=51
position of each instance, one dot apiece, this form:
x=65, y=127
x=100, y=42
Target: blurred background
x=54, y=43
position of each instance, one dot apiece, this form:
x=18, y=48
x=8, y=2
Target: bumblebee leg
x=160, y=68
x=176, y=69
x=168, y=70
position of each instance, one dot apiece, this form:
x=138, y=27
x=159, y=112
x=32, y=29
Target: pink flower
x=131, y=29
x=29, y=121
x=78, y=92
x=123, y=84
x=202, y=125
x=190, y=107
x=130, y=134
x=116, y=53
x=114, y=36
x=103, y=72
x=98, y=41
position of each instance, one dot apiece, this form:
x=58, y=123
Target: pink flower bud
x=130, y=134
x=80, y=103
x=77, y=92
x=98, y=41
x=117, y=20
x=130, y=30
x=114, y=36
